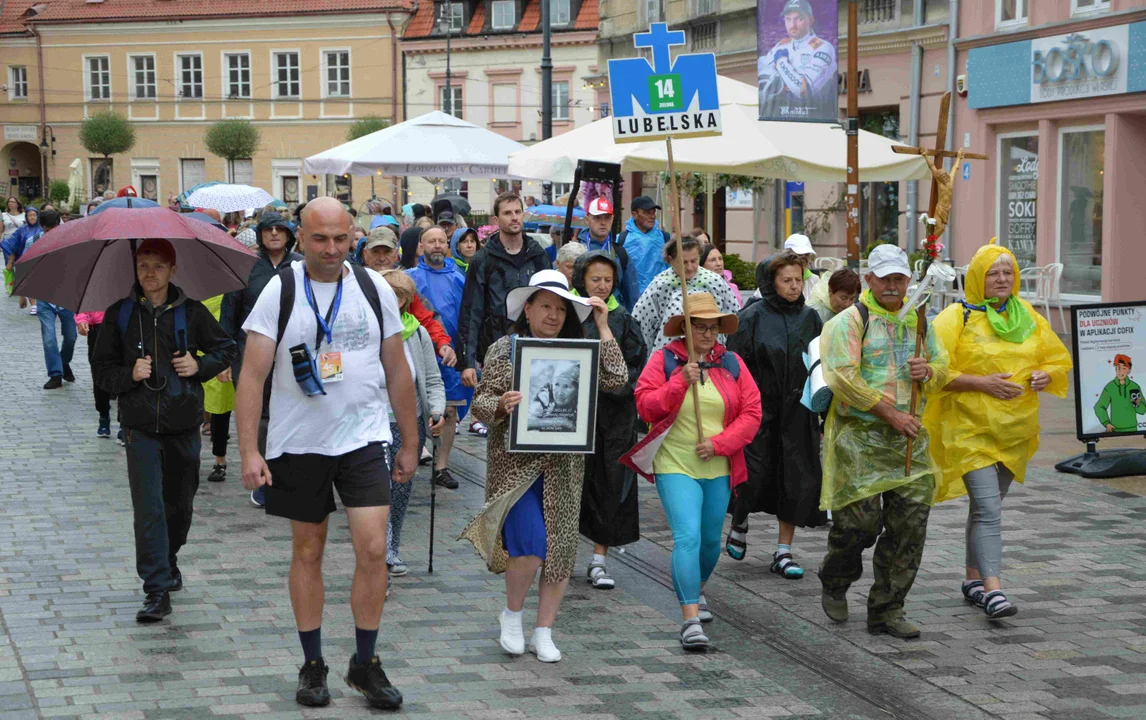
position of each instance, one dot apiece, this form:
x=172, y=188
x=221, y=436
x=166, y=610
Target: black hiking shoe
x=370, y=680
x=312, y=690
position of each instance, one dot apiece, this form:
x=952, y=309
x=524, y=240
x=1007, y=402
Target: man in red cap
x=599, y=236
x=148, y=355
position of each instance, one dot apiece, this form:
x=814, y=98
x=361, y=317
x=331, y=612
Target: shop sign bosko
x=1082, y=64
x=670, y=98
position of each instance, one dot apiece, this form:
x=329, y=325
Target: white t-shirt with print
x=354, y=410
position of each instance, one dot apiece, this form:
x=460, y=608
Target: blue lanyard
x=325, y=325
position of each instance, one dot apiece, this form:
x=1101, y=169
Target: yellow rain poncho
x=864, y=456
x=971, y=430
x=218, y=397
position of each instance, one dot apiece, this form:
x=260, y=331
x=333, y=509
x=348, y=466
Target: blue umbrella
x=124, y=202
x=204, y=217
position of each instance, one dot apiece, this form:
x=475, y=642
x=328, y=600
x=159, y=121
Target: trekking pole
x=435, y=441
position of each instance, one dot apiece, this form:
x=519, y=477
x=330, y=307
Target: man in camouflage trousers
x=867, y=360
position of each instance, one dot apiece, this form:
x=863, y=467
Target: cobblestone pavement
x=71, y=647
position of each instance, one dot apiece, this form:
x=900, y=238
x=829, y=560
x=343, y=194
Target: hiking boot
x=370, y=680
x=836, y=608
x=443, y=478
x=312, y=690
x=218, y=474
x=156, y=606
x=899, y=627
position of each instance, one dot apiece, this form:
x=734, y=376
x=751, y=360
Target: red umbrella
x=86, y=265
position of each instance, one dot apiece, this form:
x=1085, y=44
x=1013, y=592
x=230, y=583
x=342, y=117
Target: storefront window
x=1018, y=196
x=1080, y=210
x=879, y=202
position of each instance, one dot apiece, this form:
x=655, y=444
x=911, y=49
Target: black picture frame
x=1077, y=370
x=548, y=419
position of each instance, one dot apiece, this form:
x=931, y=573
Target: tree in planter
x=58, y=193
x=232, y=140
x=106, y=133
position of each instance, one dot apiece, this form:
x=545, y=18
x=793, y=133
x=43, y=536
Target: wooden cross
x=938, y=153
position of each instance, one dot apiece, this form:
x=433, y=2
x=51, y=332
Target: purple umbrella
x=86, y=265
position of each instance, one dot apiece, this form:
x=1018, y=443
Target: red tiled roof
x=12, y=16
x=530, y=17
x=422, y=24
x=136, y=10
x=587, y=17
x=477, y=21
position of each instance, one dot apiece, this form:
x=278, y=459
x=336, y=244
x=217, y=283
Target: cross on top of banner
x=660, y=39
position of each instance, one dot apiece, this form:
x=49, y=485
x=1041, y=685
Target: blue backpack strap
x=180, y=317
x=671, y=362
x=123, y=317
x=731, y=363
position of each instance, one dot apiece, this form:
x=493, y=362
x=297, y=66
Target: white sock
x=542, y=632
x=513, y=615
x=737, y=535
x=782, y=549
x=598, y=558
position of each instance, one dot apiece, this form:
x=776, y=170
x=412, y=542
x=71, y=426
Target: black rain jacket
x=177, y=406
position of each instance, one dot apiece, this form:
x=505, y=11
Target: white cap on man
x=888, y=259
x=799, y=244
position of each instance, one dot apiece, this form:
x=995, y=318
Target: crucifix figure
x=942, y=183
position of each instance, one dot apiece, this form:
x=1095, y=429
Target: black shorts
x=302, y=486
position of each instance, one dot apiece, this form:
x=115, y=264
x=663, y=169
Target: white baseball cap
x=799, y=244
x=887, y=260
x=600, y=206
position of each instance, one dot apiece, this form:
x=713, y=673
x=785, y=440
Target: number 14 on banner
x=664, y=91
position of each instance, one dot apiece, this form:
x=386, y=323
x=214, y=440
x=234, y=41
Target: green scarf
x=1016, y=326
x=611, y=303
x=807, y=273
x=410, y=326
x=892, y=318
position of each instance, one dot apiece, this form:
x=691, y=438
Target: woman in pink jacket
x=695, y=479
x=88, y=325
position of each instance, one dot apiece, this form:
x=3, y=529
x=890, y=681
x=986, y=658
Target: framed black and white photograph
x=558, y=383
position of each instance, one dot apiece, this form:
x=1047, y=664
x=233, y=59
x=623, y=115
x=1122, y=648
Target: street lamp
x=48, y=135
x=444, y=23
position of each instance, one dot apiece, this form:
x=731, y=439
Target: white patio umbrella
x=431, y=145
x=228, y=198
x=788, y=151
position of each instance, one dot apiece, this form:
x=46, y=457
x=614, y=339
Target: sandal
x=599, y=577
x=786, y=567
x=476, y=428
x=997, y=607
x=973, y=592
x=206, y=429
x=735, y=548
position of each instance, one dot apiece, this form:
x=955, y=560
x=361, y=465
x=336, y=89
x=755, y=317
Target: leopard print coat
x=509, y=475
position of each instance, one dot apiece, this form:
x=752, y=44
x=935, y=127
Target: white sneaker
x=512, y=638
x=32, y=310
x=541, y=645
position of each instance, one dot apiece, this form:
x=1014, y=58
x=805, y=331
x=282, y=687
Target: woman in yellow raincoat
x=984, y=424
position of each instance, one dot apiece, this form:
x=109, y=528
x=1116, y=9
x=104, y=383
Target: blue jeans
x=54, y=357
x=695, y=509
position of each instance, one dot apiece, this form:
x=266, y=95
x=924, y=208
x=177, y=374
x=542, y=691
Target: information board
x=1109, y=342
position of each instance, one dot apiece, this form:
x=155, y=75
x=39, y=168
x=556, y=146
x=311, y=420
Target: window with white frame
x=452, y=103
x=99, y=78
x=651, y=10
x=559, y=12
x=286, y=75
x=505, y=103
x=1010, y=12
x=1087, y=6
x=560, y=101
x=18, y=82
x=337, y=73
x=190, y=76
x=706, y=7
x=504, y=15
x=454, y=13
x=238, y=69
x=143, y=77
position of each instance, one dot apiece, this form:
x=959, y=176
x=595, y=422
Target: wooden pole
x=853, y=135
x=674, y=200
x=920, y=324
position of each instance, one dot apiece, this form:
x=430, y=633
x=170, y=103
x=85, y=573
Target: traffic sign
x=669, y=98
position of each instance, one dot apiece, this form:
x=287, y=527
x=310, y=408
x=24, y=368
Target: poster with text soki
x=796, y=66
x=1110, y=353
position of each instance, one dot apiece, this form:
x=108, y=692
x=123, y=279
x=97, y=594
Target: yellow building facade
x=302, y=79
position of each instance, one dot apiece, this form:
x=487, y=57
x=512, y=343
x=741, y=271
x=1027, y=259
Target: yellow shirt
x=677, y=454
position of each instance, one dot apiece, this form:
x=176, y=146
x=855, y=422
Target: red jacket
x=426, y=319
x=659, y=401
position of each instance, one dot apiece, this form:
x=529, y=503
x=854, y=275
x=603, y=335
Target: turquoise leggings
x=695, y=509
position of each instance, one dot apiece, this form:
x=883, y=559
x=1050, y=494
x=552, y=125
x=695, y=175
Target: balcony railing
x=873, y=12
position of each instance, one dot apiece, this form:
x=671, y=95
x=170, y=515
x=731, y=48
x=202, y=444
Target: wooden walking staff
x=938, y=212
x=674, y=211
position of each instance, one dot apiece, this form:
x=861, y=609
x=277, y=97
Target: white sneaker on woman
x=512, y=638
x=541, y=645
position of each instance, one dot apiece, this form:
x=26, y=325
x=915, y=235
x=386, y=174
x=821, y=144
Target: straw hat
x=702, y=306
x=554, y=282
